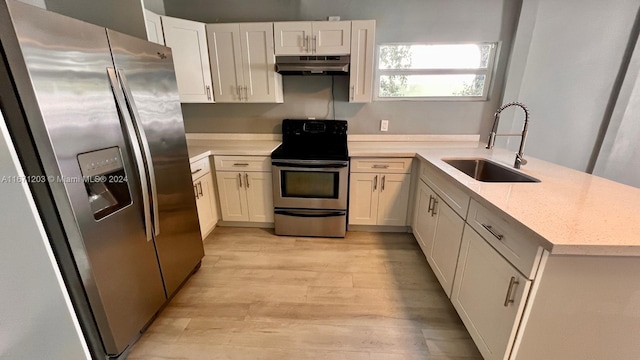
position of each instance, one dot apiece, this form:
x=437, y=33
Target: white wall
x=619, y=157
x=572, y=53
x=125, y=16
x=157, y=6
x=38, y=3
x=36, y=317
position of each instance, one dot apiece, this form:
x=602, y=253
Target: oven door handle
x=307, y=213
x=311, y=165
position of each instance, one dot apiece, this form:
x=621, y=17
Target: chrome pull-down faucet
x=520, y=160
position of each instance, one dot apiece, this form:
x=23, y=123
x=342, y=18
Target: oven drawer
x=199, y=168
x=381, y=165
x=307, y=222
x=242, y=163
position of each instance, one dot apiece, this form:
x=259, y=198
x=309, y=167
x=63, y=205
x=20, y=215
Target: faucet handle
x=519, y=161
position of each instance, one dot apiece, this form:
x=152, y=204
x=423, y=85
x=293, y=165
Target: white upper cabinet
x=315, y=37
x=243, y=63
x=188, y=41
x=154, y=27
x=363, y=33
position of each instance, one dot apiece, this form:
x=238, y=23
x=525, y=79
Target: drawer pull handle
x=240, y=178
x=430, y=209
x=378, y=166
x=435, y=203
x=195, y=172
x=493, y=232
x=241, y=164
x=195, y=190
x=382, y=183
x=512, y=285
x=375, y=183
x=246, y=179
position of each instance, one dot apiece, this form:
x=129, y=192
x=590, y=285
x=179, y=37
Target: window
x=434, y=71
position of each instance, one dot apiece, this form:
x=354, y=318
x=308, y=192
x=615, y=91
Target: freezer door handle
x=135, y=147
x=135, y=117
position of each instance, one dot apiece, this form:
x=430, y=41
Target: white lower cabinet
x=245, y=196
x=379, y=199
x=439, y=232
x=489, y=295
x=205, y=203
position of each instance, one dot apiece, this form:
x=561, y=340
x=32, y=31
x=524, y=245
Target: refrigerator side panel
x=72, y=115
x=148, y=73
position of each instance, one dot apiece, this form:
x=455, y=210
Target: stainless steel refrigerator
x=97, y=122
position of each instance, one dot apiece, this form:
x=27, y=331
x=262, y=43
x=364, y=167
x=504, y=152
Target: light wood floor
x=369, y=296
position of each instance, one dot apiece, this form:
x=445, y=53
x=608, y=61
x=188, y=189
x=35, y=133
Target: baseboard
x=375, y=228
x=247, y=224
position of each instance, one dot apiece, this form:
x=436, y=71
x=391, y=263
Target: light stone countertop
x=568, y=212
x=199, y=149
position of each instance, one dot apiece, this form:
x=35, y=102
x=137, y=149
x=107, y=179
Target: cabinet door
x=188, y=42
x=394, y=199
x=489, y=295
x=233, y=196
x=446, y=244
x=207, y=213
x=292, y=37
x=154, y=27
x=331, y=37
x=226, y=62
x=363, y=198
x=261, y=82
x=259, y=196
x=363, y=43
x=424, y=225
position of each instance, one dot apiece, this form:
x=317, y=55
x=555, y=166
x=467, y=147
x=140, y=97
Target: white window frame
x=488, y=72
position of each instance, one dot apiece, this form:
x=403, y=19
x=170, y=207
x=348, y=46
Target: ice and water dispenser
x=105, y=181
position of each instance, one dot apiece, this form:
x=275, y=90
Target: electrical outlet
x=384, y=125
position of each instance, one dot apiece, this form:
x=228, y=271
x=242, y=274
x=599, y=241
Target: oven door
x=310, y=184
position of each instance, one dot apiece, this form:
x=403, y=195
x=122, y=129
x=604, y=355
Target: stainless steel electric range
x=311, y=178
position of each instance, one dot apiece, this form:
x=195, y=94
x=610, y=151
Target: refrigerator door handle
x=135, y=147
x=135, y=117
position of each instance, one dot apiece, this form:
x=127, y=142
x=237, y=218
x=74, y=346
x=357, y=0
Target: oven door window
x=310, y=184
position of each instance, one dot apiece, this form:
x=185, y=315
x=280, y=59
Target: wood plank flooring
x=369, y=296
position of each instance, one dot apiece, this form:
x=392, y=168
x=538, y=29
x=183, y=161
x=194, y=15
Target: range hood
x=313, y=65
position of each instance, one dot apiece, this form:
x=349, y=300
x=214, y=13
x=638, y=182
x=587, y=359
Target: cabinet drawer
x=451, y=194
x=242, y=163
x=509, y=241
x=199, y=168
x=382, y=165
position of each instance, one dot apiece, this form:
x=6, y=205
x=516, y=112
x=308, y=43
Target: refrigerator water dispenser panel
x=105, y=181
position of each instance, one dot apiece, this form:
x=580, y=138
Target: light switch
x=384, y=125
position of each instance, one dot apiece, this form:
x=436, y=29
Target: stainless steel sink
x=488, y=171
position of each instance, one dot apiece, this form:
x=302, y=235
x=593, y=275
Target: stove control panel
x=313, y=128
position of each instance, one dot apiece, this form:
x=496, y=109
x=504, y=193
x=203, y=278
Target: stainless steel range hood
x=313, y=65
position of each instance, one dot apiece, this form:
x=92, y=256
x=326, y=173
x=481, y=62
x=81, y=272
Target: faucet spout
x=523, y=136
